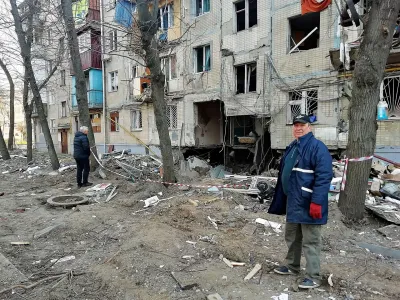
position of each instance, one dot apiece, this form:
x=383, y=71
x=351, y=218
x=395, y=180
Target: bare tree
x=12, y=113
x=3, y=147
x=81, y=90
x=367, y=77
x=150, y=47
x=25, y=38
x=28, y=118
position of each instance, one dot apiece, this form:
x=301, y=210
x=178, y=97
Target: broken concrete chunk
x=184, y=280
x=46, y=231
x=214, y=297
x=282, y=296
x=102, y=174
x=152, y=201
x=391, y=231
x=213, y=189
x=267, y=223
x=375, y=188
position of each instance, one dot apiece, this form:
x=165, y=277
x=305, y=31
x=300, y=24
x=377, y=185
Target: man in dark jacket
x=81, y=155
x=302, y=194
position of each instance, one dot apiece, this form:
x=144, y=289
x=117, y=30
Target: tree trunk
x=12, y=113
x=25, y=45
x=81, y=91
x=3, y=147
x=148, y=27
x=367, y=77
x=28, y=119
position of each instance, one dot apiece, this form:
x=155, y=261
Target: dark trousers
x=83, y=168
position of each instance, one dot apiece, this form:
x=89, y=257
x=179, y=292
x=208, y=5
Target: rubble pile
x=383, y=195
x=129, y=166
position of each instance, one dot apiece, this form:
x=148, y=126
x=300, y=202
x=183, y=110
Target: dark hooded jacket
x=81, y=146
x=309, y=182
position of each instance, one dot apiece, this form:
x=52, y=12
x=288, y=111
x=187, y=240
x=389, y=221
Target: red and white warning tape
x=346, y=163
x=202, y=186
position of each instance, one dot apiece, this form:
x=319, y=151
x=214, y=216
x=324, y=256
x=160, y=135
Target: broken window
x=62, y=75
x=114, y=116
x=136, y=119
x=63, y=109
x=134, y=72
x=246, y=78
x=240, y=15
x=252, y=13
x=303, y=102
x=304, y=32
x=113, y=40
x=246, y=14
x=172, y=116
x=113, y=81
x=202, y=7
x=168, y=67
x=202, y=59
x=166, y=16
x=95, y=119
x=390, y=92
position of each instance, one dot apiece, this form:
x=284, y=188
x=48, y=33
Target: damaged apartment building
x=236, y=73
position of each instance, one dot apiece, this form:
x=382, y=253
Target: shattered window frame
x=248, y=74
x=249, y=12
x=307, y=25
x=113, y=81
x=136, y=119
x=114, y=124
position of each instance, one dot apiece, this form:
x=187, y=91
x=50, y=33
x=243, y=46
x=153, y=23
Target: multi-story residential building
x=237, y=72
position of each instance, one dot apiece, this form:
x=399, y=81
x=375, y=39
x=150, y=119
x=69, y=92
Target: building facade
x=236, y=73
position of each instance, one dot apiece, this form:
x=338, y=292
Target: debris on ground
x=253, y=272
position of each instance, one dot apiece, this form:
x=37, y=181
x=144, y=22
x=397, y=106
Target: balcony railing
x=95, y=99
x=91, y=59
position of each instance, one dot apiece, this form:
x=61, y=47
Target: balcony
x=91, y=59
x=95, y=99
x=35, y=112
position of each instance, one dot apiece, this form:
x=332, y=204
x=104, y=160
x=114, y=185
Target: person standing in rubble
x=81, y=155
x=302, y=194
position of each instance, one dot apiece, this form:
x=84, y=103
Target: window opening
x=302, y=27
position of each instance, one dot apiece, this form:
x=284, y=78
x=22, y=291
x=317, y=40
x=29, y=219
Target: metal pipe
x=103, y=71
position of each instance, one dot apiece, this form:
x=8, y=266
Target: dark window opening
x=300, y=27
x=240, y=16
x=246, y=78
x=114, y=116
x=252, y=13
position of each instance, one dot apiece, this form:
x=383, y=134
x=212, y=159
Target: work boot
x=87, y=184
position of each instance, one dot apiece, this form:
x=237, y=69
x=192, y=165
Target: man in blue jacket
x=81, y=155
x=302, y=194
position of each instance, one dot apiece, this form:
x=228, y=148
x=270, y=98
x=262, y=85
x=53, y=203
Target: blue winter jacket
x=309, y=182
x=81, y=146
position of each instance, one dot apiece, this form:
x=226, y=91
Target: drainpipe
x=103, y=72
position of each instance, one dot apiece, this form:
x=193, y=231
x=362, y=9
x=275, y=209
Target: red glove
x=315, y=211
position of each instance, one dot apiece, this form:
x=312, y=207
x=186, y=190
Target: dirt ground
x=120, y=254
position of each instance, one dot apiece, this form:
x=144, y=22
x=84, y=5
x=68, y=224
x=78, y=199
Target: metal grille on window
x=172, y=116
x=390, y=92
x=312, y=102
x=295, y=104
